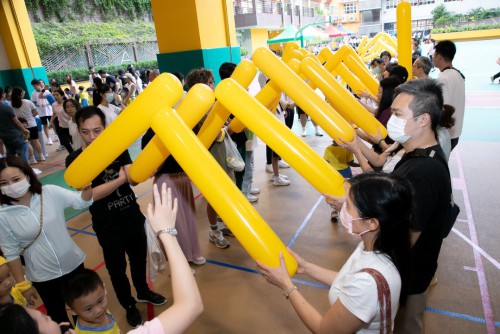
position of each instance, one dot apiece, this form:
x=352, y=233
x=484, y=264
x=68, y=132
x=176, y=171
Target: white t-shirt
x=454, y=94
x=358, y=291
x=75, y=135
x=43, y=106
x=111, y=112
x=26, y=111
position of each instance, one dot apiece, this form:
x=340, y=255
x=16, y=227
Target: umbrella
x=290, y=34
x=334, y=32
x=341, y=28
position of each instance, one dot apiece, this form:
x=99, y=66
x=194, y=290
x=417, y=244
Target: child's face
x=6, y=280
x=91, y=308
x=70, y=109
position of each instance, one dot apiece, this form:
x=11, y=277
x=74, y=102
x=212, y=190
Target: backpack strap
x=384, y=300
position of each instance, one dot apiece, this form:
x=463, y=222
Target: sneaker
x=60, y=148
x=254, y=191
x=56, y=138
x=251, y=198
x=223, y=228
x=33, y=161
x=42, y=158
x=269, y=168
x=304, y=133
x=46, y=155
x=319, y=133
x=49, y=142
x=280, y=182
x=152, y=298
x=218, y=239
x=282, y=164
x=281, y=176
x=134, y=318
x=199, y=261
x=37, y=171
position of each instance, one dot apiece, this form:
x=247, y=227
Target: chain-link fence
x=102, y=54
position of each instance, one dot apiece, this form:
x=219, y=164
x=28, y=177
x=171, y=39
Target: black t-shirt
x=431, y=183
x=114, y=212
x=111, y=81
x=7, y=127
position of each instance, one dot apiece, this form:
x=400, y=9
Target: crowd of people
x=398, y=206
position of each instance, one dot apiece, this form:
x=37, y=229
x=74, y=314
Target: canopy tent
x=331, y=31
x=341, y=28
x=290, y=34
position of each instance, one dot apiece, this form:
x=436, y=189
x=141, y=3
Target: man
x=40, y=97
x=92, y=75
x=109, y=80
x=421, y=67
x=117, y=221
x=417, y=109
x=12, y=132
x=453, y=83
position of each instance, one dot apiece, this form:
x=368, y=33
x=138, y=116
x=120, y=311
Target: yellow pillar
x=195, y=33
x=24, y=62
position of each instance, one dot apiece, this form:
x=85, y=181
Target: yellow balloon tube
x=341, y=99
x=363, y=74
x=290, y=51
x=302, y=94
x=356, y=85
x=283, y=141
x=249, y=228
x=362, y=44
x=125, y=129
x=403, y=16
x=195, y=104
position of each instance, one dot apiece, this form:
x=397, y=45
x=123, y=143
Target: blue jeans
x=248, y=176
x=16, y=145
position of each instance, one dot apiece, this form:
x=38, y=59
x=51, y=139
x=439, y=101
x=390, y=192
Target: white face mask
x=346, y=220
x=396, y=129
x=109, y=97
x=16, y=190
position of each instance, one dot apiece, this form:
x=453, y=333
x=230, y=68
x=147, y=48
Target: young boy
x=8, y=292
x=84, y=96
x=85, y=297
x=341, y=159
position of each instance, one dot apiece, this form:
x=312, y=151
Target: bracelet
x=288, y=291
x=23, y=286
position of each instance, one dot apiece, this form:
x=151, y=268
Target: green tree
x=439, y=12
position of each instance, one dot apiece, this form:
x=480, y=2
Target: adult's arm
x=107, y=188
x=16, y=268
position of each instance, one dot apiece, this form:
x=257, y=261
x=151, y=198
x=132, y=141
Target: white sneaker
x=251, y=198
x=49, y=142
x=269, y=168
x=46, y=155
x=254, y=191
x=282, y=164
x=56, y=138
x=280, y=182
x=33, y=161
x=319, y=133
x=37, y=171
x=42, y=158
x=281, y=176
x=304, y=133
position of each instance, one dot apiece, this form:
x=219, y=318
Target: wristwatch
x=169, y=230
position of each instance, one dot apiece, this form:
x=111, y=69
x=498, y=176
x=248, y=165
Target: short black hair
x=87, y=112
x=16, y=320
x=446, y=49
x=385, y=53
x=400, y=72
x=101, y=71
x=226, y=70
x=179, y=75
x=35, y=82
x=81, y=284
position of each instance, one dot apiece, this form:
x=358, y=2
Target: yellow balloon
x=363, y=74
x=403, y=16
x=362, y=44
x=283, y=141
x=341, y=99
x=249, y=228
x=302, y=94
x=195, y=104
x=125, y=129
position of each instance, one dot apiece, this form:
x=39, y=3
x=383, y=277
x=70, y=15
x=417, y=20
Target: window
x=350, y=8
x=370, y=16
x=394, y=3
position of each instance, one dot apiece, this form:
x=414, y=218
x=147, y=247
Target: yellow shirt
x=84, y=95
x=112, y=328
x=18, y=298
x=338, y=157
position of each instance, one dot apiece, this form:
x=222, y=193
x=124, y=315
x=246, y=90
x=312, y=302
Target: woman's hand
x=336, y=202
x=277, y=276
x=350, y=145
x=376, y=139
x=165, y=210
x=31, y=295
x=302, y=263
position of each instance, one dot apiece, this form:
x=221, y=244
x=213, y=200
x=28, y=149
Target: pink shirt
x=64, y=119
x=150, y=327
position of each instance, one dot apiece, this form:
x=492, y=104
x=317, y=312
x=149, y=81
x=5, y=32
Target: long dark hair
x=387, y=198
x=16, y=320
x=16, y=98
x=17, y=162
x=388, y=85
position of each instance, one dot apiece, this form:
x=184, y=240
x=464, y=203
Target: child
x=90, y=94
x=9, y=294
x=85, y=297
x=341, y=159
x=84, y=96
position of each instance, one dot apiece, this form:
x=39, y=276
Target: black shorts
x=45, y=119
x=300, y=111
x=33, y=132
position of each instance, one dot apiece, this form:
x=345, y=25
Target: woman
x=27, y=110
x=176, y=319
x=377, y=210
x=70, y=108
x=32, y=224
x=110, y=110
x=131, y=85
x=72, y=85
x=63, y=119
